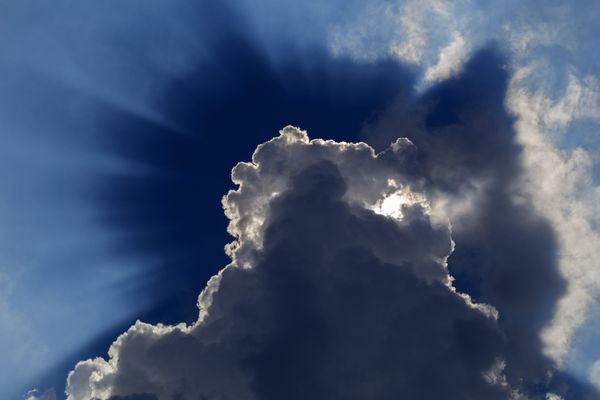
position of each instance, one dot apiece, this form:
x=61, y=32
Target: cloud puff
x=431, y=34
x=567, y=196
x=37, y=394
x=326, y=295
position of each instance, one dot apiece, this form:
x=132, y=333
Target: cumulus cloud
x=323, y=227
x=554, y=99
x=423, y=268
x=485, y=176
x=324, y=298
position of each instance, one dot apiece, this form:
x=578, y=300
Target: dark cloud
x=320, y=313
x=340, y=301
x=506, y=254
x=233, y=97
x=346, y=324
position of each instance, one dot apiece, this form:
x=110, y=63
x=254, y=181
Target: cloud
x=36, y=394
x=324, y=298
x=450, y=60
x=595, y=374
x=173, y=211
x=345, y=280
x=470, y=181
x=567, y=194
x=509, y=250
x=554, y=98
x=431, y=34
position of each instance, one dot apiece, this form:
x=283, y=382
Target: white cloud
x=525, y=34
x=561, y=185
x=433, y=34
x=450, y=60
x=416, y=22
x=36, y=394
x=594, y=374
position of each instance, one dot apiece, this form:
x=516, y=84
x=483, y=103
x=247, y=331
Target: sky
x=267, y=199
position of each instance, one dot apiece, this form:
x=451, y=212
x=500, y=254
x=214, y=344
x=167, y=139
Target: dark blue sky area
x=235, y=98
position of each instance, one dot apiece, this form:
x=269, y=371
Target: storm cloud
x=452, y=254
x=326, y=296
x=506, y=254
x=417, y=268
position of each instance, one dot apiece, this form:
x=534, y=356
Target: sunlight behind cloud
x=393, y=204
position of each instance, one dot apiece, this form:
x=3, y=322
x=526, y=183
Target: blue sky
x=101, y=190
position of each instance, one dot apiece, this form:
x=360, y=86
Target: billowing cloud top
x=338, y=288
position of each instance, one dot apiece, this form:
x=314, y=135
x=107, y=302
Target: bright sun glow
x=393, y=203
